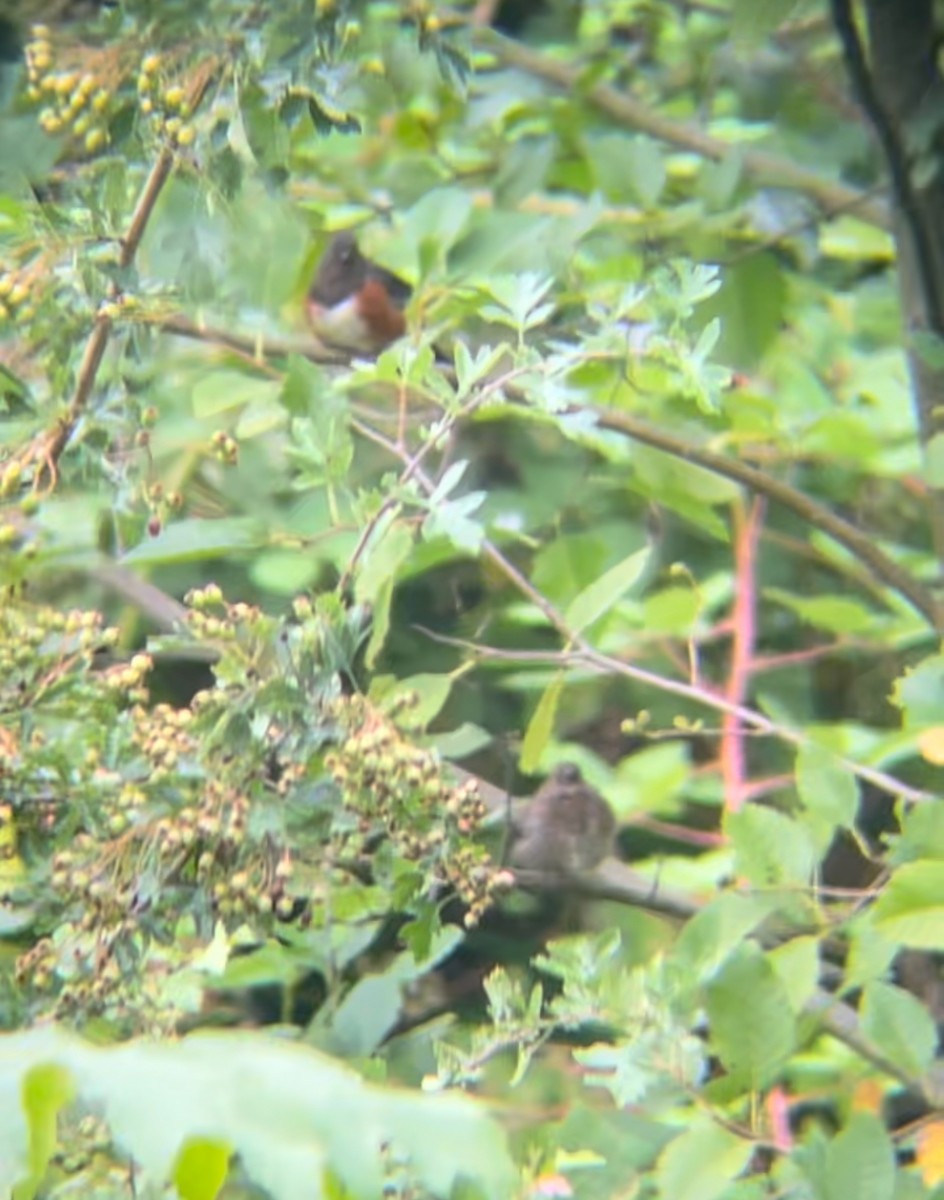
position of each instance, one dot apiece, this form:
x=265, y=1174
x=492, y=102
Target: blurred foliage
x=614, y=216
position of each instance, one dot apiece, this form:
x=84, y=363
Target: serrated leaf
x=305, y=382
x=718, y=929
x=753, y=1029
x=910, y=909
x=770, y=847
x=702, y=1162
x=918, y=692
x=899, y=1025
x=797, y=966
x=827, y=789
x=860, y=1162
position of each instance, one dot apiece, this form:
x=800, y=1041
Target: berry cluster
x=165, y=105
x=74, y=102
x=397, y=790
x=17, y=302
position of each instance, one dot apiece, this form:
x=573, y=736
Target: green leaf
x=918, y=692
x=910, y=909
x=541, y=725
x=201, y=1168
x=287, y=1111
x=834, y=614
x=374, y=582
x=701, y=1162
x=750, y=306
x=771, y=848
x=221, y=391
x=934, y=461
x=717, y=930
x=431, y=690
x=599, y=597
x=46, y=1089
x=828, y=790
x=302, y=387
x=194, y=539
x=898, y=1025
x=860, y=1162
x=753, y=1029
x=797, y=966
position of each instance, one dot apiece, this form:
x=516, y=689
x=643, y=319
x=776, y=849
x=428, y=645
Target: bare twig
x=583, y=656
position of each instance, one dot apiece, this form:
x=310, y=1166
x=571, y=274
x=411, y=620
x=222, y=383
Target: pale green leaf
x=898, y=1025
x=860, y=1162
x=541, y=725
x=753, y=1029
x=910, y=909
x=701, y=1162
x=599, y=597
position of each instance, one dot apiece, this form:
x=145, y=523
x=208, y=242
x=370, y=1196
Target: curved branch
x=767, y=169
x=844, y=532
x=858, y=543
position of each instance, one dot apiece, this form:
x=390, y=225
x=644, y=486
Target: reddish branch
x=743, y=635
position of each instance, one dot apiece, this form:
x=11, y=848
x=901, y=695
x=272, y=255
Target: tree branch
x=766, y=169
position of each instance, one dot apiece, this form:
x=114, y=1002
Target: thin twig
x=584, y=656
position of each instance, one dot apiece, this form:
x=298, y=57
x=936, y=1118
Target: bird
x=354, y=304
x=567, y=827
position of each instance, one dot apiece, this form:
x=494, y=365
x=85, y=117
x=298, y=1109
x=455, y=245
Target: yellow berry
x=173, y=126
x=186, y=136
x=100, y=100
x=150, y=64
x=147, y=106
x=18, y=293
x=174, y=97
x=82, y=126
x=95, y=139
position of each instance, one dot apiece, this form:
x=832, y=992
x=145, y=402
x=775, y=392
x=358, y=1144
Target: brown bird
x=353, y=303
x=567, y=827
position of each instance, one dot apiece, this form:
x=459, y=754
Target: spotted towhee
x=353, y=303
